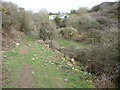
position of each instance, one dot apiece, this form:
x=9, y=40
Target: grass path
x=32, y=65
x=26, y=78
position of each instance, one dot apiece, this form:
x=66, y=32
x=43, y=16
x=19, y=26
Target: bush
x=45, y=27
x=93, y=36
x=9, y=15
x=110, y=36
x=25, y=19
x=72, y=21
x=47, y=30
x=83, y=22
x=16, y=18
x=57, y=19
x=52, y=44
x=68, y=32
x=104, y=21
x=102, y=58
x=82, y=11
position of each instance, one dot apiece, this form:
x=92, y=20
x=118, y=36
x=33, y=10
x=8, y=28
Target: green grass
x=68, y=43
x=46, y=73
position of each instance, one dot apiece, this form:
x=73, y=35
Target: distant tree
x=73, y=11
x=65, y=16
x=82, y=11
x=57, y=19
x=51, y=13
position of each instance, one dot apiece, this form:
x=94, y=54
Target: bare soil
x=26, y=80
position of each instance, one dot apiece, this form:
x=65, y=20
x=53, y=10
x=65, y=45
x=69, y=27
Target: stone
x=65, y=80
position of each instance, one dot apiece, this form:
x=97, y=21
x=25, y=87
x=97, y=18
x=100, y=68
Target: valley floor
x=32, y=65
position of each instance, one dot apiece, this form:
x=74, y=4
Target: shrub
x=93, y=36
x=110, y=36
x=9, y=15
x=68, y=32
x=47, y=30
x=83, y=22
x=102, y=58
x=73, y=21
x=16, y=18
x=87, y=22
x=25, y=20
x=45, y=27
x=80, y=37
x=104, y=21
x=57, y=19
x=52, y=44
x=82, y=11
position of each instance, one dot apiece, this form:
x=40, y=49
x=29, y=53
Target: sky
x=56, y=5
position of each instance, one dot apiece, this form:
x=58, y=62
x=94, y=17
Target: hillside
x=33, y=65
x=79, y=50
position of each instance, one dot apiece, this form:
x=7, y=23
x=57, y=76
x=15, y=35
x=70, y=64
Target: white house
x=62, y=16
x=51, y=17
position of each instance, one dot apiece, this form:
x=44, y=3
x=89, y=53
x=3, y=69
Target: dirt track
x=26, y=78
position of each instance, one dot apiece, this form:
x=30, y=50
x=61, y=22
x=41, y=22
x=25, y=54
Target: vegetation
x=48, y=69
x=68, y=32
x=67, y=43
x=15, y=17
x=78, y=51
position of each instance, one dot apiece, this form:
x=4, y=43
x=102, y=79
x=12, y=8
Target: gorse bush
x=110, y=36
x=104, y=22
x=44, y=26
x=73, y=21
x=87, y=22
x=8, y=18
x=82, y=11
x=83, y=22
x=68, y=32
x=25, y=19
x=101, y=58
x=15, y=17
x=47, y=30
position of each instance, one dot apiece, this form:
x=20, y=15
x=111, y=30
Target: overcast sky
x=56, y=5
